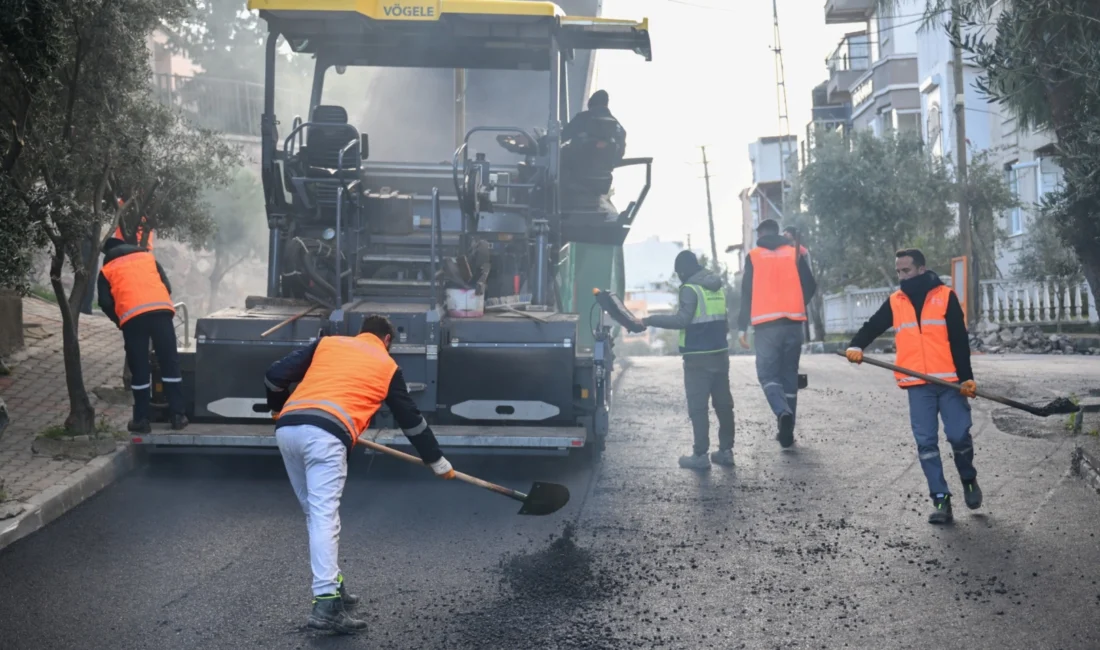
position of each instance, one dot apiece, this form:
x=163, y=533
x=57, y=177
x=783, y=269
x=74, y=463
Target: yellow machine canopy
x=472, y=34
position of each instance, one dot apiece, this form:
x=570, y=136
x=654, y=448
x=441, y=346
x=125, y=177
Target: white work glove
x=443, y=469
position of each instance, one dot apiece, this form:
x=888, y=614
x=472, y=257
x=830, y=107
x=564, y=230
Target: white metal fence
x=1015, y=302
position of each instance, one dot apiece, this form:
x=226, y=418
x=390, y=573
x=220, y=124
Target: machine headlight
x=328, y=234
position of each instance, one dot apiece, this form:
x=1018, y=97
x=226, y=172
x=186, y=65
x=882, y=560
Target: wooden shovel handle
x=286, y=322
x=472, y=480
x=943, y=382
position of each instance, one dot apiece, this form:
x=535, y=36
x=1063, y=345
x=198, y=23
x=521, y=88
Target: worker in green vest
x=704, y=345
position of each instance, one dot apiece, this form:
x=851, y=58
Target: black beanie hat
x=686, y=264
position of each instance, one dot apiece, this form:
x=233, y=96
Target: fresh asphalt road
x=821, y=546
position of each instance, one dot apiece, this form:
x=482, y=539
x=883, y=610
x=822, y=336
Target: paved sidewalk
x=37, y=399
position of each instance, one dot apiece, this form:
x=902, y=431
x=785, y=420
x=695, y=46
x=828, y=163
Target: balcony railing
x=852, y=53
x=1004, y=302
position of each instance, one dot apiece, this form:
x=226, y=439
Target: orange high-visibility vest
x=348, y=378
x=923, y=347
x=136, y=286
x=776, y=286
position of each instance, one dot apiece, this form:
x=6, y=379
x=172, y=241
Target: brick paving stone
x=37, y=398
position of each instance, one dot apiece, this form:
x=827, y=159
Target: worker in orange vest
x=138, y=234
x=930, y=338
x=135, y=294
x=775, y=288
x=342, y=382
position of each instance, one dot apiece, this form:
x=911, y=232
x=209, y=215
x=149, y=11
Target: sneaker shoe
x=139, y=426
x=786, y=430
x=722, y=457
x=701, y=461
x=179, y=422
x=973, y=494
x=941, y=514
x=329, y=614
x=350, y=600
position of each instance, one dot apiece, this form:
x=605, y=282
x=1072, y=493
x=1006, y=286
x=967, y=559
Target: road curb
x=55, y=501
x=1087, y=467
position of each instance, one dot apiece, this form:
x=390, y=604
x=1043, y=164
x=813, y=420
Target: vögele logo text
x=397, y=10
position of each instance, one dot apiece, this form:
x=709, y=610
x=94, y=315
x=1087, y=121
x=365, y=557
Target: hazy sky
x=711, y=82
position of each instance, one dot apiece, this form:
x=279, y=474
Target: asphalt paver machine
x=486, y=267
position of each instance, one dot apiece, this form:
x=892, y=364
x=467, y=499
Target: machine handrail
x=436, y=229
x=294, y=125
x=356, y=142
x=186, y=322
x=464, y=150
x=636, y=205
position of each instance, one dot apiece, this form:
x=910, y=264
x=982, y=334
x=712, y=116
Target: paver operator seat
x=319, y=159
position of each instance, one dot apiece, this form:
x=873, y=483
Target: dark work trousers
x=778, y=350
x=158, y=327
x=707, y=378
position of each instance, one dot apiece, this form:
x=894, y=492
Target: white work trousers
x=317, y=464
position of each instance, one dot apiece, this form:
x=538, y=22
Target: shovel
x=543, y=499
x=1059, y=406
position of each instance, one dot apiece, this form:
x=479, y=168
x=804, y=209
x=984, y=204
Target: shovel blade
x=545, y=499
x=1060, y=406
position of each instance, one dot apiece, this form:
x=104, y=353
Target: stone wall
x=189, y=273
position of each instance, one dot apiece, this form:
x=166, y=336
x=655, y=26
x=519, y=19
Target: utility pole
x=710, y=214
x=960, y=153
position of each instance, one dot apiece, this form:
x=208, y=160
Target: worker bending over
x=931, y=338
x=135, y=294
x=775, y=288
x=342, y=382
x=704, y=330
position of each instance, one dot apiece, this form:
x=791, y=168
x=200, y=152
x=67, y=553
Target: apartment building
x=875, y=68
x=774, y=164
x=895, y=73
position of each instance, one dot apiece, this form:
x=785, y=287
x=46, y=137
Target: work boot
x=350, y=600
x=786, y=430
x=139, y=426
x=973, y=494
x=722, y=457
x=179, y=421
x=329, y=614
x=942, y=513
x=697, y=461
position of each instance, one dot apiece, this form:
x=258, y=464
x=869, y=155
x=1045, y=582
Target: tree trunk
x=81, y=418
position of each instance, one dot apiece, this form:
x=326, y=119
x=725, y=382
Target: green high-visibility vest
x=709, y=327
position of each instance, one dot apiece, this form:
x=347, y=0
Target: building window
x=1050, y=178
x=908, y=122
x=1015, y=216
